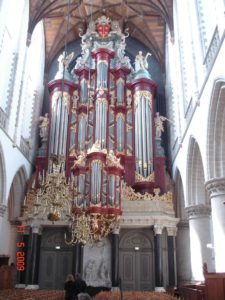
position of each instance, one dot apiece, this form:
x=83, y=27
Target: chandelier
x=88, y=227
x=96, y=208
x=51, y=192
x=91, y=215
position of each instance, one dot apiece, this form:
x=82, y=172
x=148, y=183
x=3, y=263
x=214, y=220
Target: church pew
x=215, y=286
x=193, y=292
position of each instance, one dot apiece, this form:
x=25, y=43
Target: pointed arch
x=16, y=194
x=196, y=193
x=216, y=131
x=179, y=197
x=33, y=88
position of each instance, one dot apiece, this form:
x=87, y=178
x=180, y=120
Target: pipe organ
x=101, y=157
x=101, y=125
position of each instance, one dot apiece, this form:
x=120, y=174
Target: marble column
x=183, y=255
x=216, y=190
x=77, y=259
x=81, y=260
x=21, y=275
x=171, y=233
x=33, y=258
x=200, y=236
x=158, y=259
x=115, y=259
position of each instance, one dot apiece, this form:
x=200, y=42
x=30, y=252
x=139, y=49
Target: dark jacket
x=70, y=290
x=80, y=286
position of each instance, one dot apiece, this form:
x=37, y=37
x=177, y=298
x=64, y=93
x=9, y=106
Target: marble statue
x=141, y=62
x=44, y=122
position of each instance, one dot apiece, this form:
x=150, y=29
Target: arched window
x=33, y=85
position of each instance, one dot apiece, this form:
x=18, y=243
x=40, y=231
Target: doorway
x=55, y=260
x=136, y=264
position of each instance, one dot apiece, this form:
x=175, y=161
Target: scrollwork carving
x=215, y=187
x=65, y=97
x=96, y=147
x=145, y=94
x=113, y=161
x=80, y=161
x=140, y=178
x=128, y=193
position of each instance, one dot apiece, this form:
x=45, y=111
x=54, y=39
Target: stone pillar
x=200, y=236
x=171, y=255
x=115, y=259
x=158, y=259
x=183, y=255
x=33, y=258
x=216, y=190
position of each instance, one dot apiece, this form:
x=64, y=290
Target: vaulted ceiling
x=63, y=20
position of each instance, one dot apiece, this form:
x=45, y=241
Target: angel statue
x=141, y=62
x=44, y=121
x=159, y=128
x=64, y=61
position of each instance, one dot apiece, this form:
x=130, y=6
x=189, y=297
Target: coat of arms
x=103, y=26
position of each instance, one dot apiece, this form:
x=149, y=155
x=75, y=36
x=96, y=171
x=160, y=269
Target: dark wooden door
x=55, y=264
x=136, y=270
x=136, y=266
x=54, y=268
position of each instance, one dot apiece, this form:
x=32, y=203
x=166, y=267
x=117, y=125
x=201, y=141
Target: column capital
x=158, y=228
x=36, y=229
x=196, y=211
x=116, y=230
x=171, y=231
x=215, y=187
